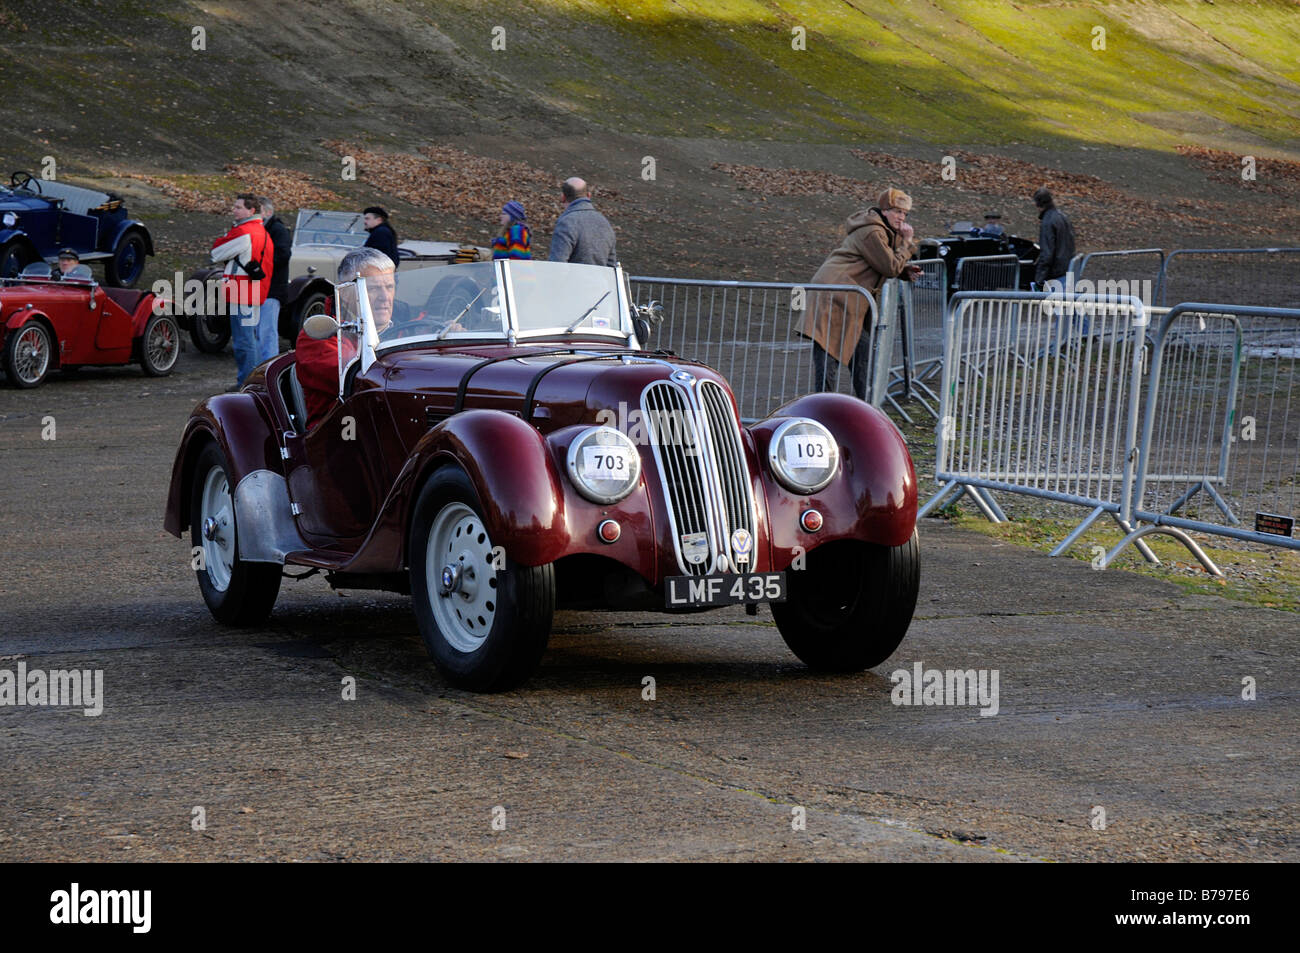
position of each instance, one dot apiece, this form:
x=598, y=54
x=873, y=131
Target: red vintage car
x=505, y=447
x=48, y=324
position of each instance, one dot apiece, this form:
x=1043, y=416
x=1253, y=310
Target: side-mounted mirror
x=648, y=318
x=320, y=326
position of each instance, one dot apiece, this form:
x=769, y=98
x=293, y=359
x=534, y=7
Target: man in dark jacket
x=582, y=234
x=382, y=235
x=278, y=232
x=1055, y=239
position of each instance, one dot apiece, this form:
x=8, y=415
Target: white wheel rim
x=31, y=354
x=464, y=605
x=162, y=345
x=217, y=529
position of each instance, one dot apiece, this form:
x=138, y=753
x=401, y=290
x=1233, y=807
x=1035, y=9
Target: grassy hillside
x=938, y=71
x=117, y=77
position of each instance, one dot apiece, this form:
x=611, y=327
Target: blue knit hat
x=515, y=211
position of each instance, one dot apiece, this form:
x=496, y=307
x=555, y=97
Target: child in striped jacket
x=515, y=240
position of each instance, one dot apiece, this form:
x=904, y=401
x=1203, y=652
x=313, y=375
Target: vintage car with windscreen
x=499, y=446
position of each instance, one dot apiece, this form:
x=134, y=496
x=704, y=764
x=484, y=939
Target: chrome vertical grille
x=729, y=459
x=674, y=436
x=702, y=464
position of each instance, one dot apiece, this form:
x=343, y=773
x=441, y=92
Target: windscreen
x=441, y=302
x=556, y=297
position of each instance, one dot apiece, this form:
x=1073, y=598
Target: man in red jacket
x=243, y=248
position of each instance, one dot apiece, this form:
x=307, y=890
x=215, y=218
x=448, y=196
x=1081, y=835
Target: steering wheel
x=405, y=323
x=24, y=180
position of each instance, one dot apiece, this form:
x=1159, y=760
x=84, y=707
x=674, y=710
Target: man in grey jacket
x=582, y=234
x=1055, y=239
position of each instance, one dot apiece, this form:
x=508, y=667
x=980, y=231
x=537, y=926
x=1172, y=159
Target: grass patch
x=1261, y=576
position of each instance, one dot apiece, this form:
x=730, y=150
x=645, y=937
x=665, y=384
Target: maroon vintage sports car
x=47, y=324
x=504, y=447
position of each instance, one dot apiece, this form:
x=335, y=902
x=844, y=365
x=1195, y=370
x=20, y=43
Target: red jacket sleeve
x=318, y=373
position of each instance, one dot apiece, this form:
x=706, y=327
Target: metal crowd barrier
x=918, y=351
x=1263, y=277
x=988, y=273
x=1125, y=264
x=1041, y=397
x=752, y=333
x=1220, y=446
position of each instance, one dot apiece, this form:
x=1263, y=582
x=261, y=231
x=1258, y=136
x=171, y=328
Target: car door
x=76, y=323
x=115, y=322
x=333, y=474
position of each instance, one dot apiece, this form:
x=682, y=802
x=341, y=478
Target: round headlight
x=803, y=455
x=604, y=464
x=10, y=219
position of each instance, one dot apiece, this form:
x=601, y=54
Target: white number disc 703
x=605, y=463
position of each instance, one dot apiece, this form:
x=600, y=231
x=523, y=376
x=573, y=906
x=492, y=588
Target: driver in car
x=68, y=261
x=318, y=361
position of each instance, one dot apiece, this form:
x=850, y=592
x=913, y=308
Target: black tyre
x=210, y=332
x=14, y=257
x=160, y=345
x=236, y=592
x=28, y=354
x=312, y=303
x=849, y=609
x=485, y=628
x=126, y=266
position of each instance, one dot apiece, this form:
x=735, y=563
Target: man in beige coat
x=877, y=246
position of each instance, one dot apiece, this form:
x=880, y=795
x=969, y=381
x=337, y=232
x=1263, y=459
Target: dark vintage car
x=48, y=324
x=968, y=240
x=505, y=447
x=38, y=217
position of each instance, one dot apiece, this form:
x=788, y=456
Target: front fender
x=241, y=425
x=872, y=498
x=19, y=235
x=19, y=316
x=518, y=488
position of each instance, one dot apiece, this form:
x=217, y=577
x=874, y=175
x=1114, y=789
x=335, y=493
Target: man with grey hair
x=278, y=232
x=318, y=361
x=581, y=234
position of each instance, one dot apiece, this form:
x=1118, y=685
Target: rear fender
x=305, y=284
x=871, y=499
x=131, y=225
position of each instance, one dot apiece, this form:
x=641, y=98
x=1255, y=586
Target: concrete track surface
x=1115, y=692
